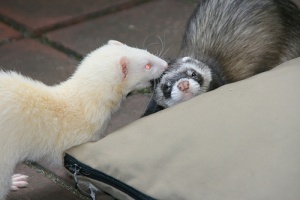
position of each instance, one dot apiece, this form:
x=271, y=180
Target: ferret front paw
x=18, y=181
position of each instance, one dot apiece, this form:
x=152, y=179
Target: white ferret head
x=120, y=65
x=184, y=79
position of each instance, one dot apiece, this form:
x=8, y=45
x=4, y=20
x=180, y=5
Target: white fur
x=39, y=121
x=177, y=96
x=184, y=59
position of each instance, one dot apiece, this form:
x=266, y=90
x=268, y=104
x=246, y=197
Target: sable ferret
x=227, y=41
x=39, y=121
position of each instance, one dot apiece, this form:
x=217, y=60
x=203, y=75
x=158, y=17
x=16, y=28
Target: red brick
x=33, y=59
x=37, y=16
x=165, y=18
x=7, y=33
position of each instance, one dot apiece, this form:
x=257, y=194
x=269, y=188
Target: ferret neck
x=96, y=98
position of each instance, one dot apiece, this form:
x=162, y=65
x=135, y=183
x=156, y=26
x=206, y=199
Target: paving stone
x=33, y=59
x=141, y=24
x=7, y=33
x=37, y=16
x=40, y=187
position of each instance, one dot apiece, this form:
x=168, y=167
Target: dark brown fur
x=244, y=37
x=235, y=39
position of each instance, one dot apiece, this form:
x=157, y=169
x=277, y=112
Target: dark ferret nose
x=183, y=85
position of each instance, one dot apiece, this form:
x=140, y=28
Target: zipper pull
x=93, y=189
x=76, y=170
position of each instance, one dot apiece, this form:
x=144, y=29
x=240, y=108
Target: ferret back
x=245, y=37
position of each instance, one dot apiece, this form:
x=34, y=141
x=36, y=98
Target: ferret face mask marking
x=184, y=79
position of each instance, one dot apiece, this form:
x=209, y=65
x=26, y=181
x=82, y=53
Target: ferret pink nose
x=166, y=66
x=183, y=85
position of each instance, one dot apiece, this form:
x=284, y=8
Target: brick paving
x=139, y=27
x=7, y=33
x=37, y=17
x=46, y=40
x=38, y=61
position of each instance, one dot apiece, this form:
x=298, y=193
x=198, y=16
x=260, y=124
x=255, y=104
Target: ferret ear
x=124, y=66
x=115, y=42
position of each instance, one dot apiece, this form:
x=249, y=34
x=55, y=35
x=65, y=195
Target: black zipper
x=76, y=167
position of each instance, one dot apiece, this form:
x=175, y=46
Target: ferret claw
x=18, y=181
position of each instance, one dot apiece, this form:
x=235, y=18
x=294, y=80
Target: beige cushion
x=241, y=141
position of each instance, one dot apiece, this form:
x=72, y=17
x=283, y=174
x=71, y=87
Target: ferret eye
x=194, y=74
x=167, y=87
x=148, y=66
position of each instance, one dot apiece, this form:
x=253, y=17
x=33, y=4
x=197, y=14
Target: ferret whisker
x=151, y=44
x=145, y=41
x=162, y=45
x=164, y=53
x=157, y=53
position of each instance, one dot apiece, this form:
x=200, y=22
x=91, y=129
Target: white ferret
x=38, y=121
